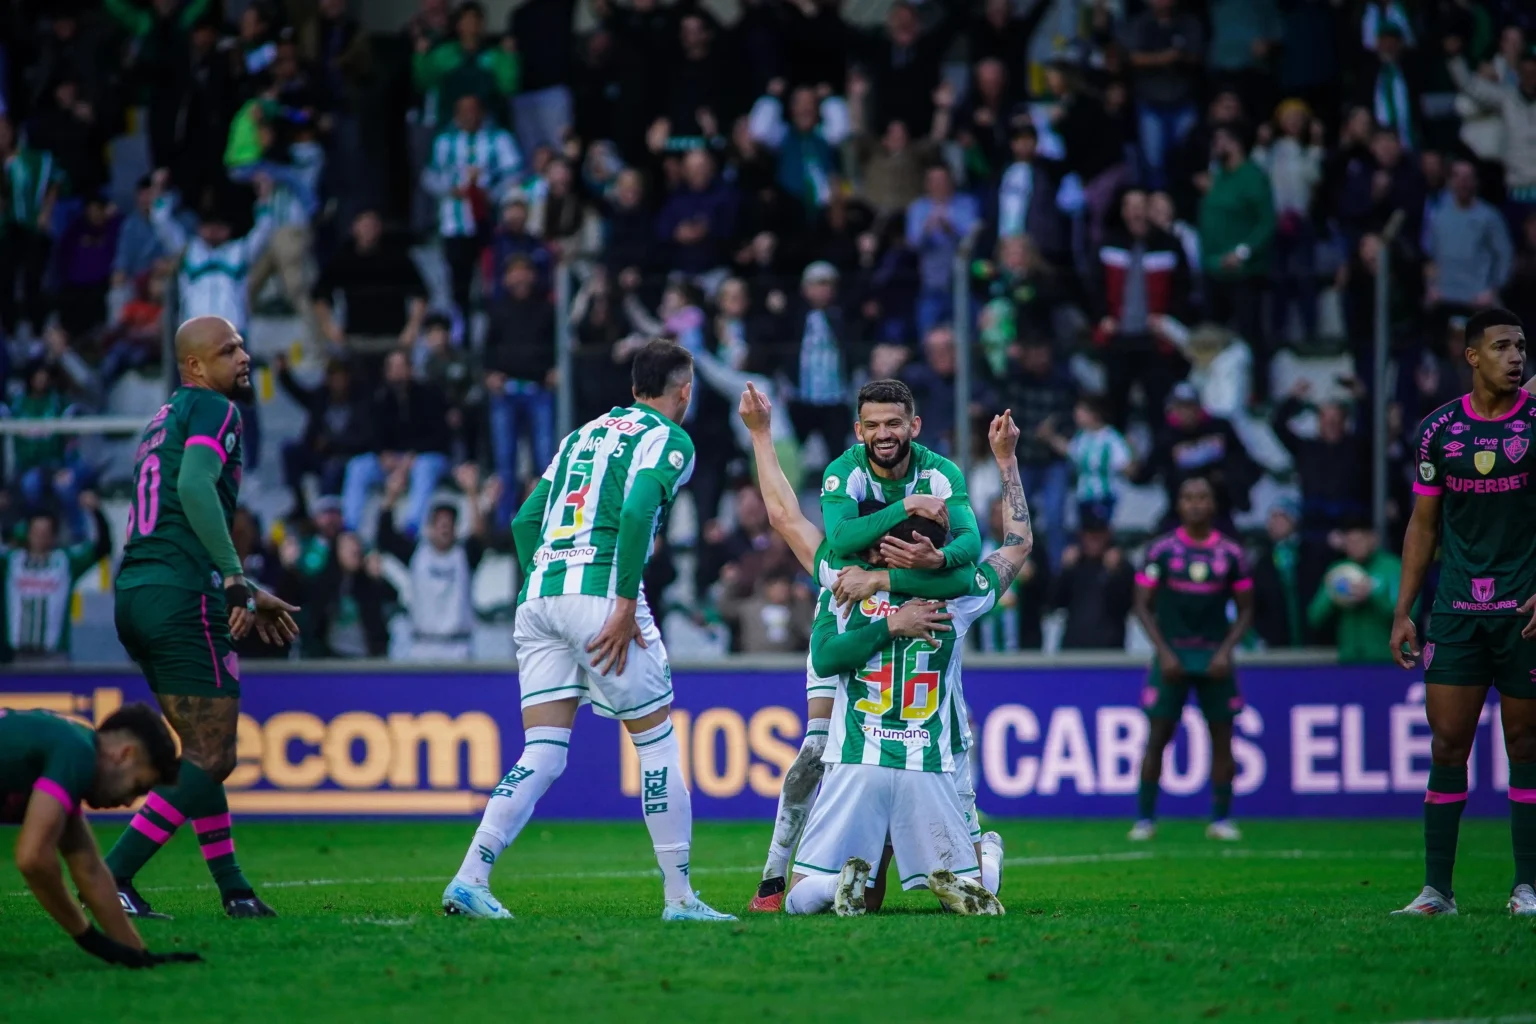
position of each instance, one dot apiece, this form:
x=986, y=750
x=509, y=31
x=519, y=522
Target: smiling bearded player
x=1476, y=503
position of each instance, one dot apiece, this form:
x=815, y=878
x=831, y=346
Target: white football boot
x=691, y=908
x=962, y=895
x=1522, y=902
x=848, y=897
x=1142, y=831
x=1225, y=830
x=462, y=899
x=1430, y=903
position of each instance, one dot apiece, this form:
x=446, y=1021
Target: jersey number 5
x=146, y=489
x=919, y=685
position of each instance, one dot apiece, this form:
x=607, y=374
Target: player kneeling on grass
x=1476, y=503
x=48, y=767
x=895, y=736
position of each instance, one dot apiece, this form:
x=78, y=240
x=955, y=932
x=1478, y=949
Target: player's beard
x=243, y=393
x=903, y=449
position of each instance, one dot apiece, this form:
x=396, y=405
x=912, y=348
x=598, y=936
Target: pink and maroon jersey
x=1194, y=581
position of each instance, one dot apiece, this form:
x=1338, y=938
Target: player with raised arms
x=1181, y=599
x=1476, y=504
x=852, y=584
x=585, y=634
x=49, y=768
x=182, y=599
x=904, y=479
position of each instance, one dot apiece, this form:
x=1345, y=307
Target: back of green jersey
x=162, y=549
x=592, y=474
x=904, y=709
x=42, y=751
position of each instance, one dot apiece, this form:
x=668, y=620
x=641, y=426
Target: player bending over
x=797, y=793
x=182, y=600
x=1181, y=602
x=49, y=766
x=584, y=631
x=1476, y=503
x=894, y=739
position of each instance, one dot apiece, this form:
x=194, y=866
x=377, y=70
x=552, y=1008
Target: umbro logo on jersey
x=1454, y=449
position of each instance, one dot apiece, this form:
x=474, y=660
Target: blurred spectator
x=1278, y=587
x=1142, y=276
x=191, y=90
x=473, y=164
x=984, y=124
x=1220, y=365
x=1097, y=132
x=1100, y=458
x=440, y=566
x=1377, y=183
x=520, y=380
x=26, y=237
x=1393, y=93
x=455, y=372
x=1094, y=589
x=628, y=241
x=83, y=264
x=888, y=162
x=932, y=380
x=47, y=465
x=256, y=556
x=69, y=47
x=1312, y=41
x=808, y=166
x=411, y=437
x=1520, y=292
x=1000, y=32
x=1026, y=201
x=348, y=605
x=137, y=338
x=338, y=426
x=214, y=265
x=383, y=293
x=1166, y=47
x=699, y=218
x=1334, y=468
x=1515, y=104
x=1293, y=159
x=563, y=219
x=1022, y=296
x=748, y=552
x=1244, y=33
x=1042, y=395
x=774, y=619
x=66, y=126
x=38, y=602
x=138, y=244
x=1237, y=234
x=936, y=224
x=903, y=60
x=1469, y=252
x=514, y=238
x=1359, y=605
x=542, y=109
x=1193, y=443
x=295, y=166
x=819, y=357
x=465, y=65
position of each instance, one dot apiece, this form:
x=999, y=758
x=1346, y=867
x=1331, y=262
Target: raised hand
x=755, y=410
x=1003, y=436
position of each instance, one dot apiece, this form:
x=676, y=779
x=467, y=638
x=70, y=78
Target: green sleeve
x=428, y=69
x=1322, y=609
x=850, y=534
x=529, y=523
x=509, y=72
x=936, y=584
x=833, y=653
x=1383, y=599
x=637, y=525
x=964, y=550
x=1263, y=203
x=71, y=763
x=198, y=486
x=192, y=13
x=136, y=20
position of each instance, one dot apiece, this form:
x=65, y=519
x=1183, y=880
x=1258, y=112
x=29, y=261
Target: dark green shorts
x=180, y=640
x=1473, y=650
x=1219, y=699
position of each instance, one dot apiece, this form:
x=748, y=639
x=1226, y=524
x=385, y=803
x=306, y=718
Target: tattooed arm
x=1018, y=537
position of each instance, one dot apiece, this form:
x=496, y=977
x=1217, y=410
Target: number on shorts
x=919, y=686
x=146, y=508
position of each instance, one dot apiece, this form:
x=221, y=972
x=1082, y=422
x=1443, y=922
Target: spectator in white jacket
x=1291, y=152
x=1516, y=107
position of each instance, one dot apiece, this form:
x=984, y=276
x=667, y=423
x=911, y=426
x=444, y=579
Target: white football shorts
x=552, y=634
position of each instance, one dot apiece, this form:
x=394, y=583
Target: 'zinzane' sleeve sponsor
x=1428, y=463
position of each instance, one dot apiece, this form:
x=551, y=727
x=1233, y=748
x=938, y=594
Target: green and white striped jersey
x=929, y=473
x=593, y=472
x=906, y=707
x=491, y=153
x=38, y=596
x=1099, y=458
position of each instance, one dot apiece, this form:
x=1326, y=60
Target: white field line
x=1519, y=1018
x=1012, y=862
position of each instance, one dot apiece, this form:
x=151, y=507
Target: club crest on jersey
x=1482, y=590
x=1483, y=461
x=1516, y=447
x=1426, y=471
x=1198, y=571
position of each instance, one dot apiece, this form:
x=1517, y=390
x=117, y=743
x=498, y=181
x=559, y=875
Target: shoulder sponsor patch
x=676, y=459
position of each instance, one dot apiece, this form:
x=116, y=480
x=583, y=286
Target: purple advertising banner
x=1063, y=741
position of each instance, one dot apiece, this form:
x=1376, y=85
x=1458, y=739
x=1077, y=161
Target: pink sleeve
x=1428, y=490
x=209, y=442
x=1143, y=580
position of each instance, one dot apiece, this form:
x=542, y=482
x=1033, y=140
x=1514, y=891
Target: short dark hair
x=1478, y=323
x=886, y=392
x=146, y=726
x=660, y=365
x=923, y=527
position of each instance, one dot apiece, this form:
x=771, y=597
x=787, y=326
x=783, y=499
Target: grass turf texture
x=1290, y=924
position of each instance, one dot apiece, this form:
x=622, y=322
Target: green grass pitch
x=1290, y=924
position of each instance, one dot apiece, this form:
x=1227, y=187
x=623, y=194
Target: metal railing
x=1381, y=354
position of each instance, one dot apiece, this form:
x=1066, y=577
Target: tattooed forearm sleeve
x=1018, y=536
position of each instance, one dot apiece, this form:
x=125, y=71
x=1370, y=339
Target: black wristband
x=239, y=595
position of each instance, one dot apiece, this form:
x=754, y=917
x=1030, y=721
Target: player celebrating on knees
x=1190, y=575
x=182, y=600
x=890, y=755
x=797, y=792
x=48, y=766
x=584, y=631
x=1476, y=503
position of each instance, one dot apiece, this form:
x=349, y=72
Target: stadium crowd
x=1150, y=207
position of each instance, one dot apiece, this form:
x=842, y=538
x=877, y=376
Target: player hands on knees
x=1474, y=503
x=51, y=766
